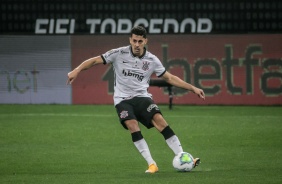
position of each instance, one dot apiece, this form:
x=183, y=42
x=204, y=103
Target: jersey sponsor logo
x=152, y=106
x=124, y=52
x=123, y=114
x=145, y=65
x=129, y=73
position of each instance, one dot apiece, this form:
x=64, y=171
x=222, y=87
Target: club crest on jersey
x=123, y=114
x=145, y=65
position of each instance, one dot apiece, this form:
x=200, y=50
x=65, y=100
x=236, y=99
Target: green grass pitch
x=83, y=144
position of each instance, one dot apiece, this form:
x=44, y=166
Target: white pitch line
x=55, y=114
x=114, y=115
x=82, y=115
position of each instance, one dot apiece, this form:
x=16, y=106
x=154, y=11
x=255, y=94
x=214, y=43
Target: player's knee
x=159, y=122
x=158, y=118
x=132, y=125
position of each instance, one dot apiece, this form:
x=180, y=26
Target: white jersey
x=132, y=73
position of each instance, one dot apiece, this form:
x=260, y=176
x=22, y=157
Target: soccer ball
x=183, y=162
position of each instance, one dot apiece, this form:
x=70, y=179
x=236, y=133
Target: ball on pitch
x=183, y=162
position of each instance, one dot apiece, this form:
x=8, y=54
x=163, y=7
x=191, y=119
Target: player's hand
x=72, y=76
x=199, y=92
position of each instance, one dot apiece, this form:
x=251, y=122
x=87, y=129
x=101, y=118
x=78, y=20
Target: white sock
x=143, y=148
x=174, y=144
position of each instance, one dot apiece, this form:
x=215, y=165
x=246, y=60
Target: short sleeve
x=159, y=69
x=110, y=56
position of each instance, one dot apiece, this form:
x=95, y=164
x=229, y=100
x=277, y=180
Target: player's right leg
x=128, y=120
x=141, y=145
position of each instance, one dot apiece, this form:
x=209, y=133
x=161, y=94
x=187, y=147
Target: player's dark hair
x=139, y=30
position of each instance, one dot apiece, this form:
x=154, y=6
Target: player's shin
x=142, y=147
x=172, y=140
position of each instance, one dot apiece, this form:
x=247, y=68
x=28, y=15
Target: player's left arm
x=176, y=81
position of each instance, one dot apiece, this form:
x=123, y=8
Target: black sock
x=136, y=136
x=167, y=132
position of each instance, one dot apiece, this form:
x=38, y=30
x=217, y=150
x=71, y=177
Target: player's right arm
x=83, y=66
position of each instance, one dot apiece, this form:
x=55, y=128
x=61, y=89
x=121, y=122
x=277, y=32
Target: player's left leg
x=171, y=139
x=150, y=116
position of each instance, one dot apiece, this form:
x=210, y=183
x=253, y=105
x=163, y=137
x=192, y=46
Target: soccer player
x=133, y=66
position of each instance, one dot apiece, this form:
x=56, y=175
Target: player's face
x=137, y=43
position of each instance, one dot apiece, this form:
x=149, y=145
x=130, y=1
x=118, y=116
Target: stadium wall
x=232, y=69
x=231, y=49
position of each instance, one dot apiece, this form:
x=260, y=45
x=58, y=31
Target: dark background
x=228, y=17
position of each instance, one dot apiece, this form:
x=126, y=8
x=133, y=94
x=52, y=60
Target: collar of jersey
x=136, y=55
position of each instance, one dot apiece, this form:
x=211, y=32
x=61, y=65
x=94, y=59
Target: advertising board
x=33, y=69
x=231, y=69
